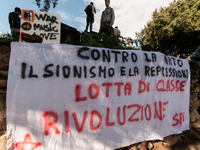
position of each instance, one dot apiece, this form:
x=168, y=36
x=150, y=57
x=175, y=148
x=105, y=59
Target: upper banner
x=71, y=97
x=44, y=24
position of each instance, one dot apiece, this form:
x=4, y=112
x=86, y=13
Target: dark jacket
x=90, y=15
x=14, y=20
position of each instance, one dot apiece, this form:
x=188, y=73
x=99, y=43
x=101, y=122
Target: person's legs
x=108, y=29
x=15, y=34
x=103, y=30
x=91, y=22
x=87, y=24
x=90, y=26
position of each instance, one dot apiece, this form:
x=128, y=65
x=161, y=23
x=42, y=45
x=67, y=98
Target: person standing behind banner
x=14, y=21
x=90, y=10
x=117, y=31
x=107, y=19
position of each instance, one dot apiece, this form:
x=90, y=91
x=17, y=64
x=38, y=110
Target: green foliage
x=6, y=37
x=175, y=28
x=45, y=4
x=88, y=39
x=103, y=40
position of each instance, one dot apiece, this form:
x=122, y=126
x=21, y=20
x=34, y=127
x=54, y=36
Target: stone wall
x=187, y=140
x=4, y=63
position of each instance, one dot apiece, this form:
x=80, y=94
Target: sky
x=130, y=15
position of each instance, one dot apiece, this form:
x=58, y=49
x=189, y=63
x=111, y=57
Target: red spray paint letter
x=80, y=128
x=66, y=113
x=78, y=94
x=92, y=127
x=47, y=124
x=93, y=87
x=107, y=118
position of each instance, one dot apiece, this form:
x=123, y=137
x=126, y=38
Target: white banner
x=71, y=97
x=44, y=24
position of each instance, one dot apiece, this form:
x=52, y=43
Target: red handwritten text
x=121, y=116
x=93, y=90
x=178, y=119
